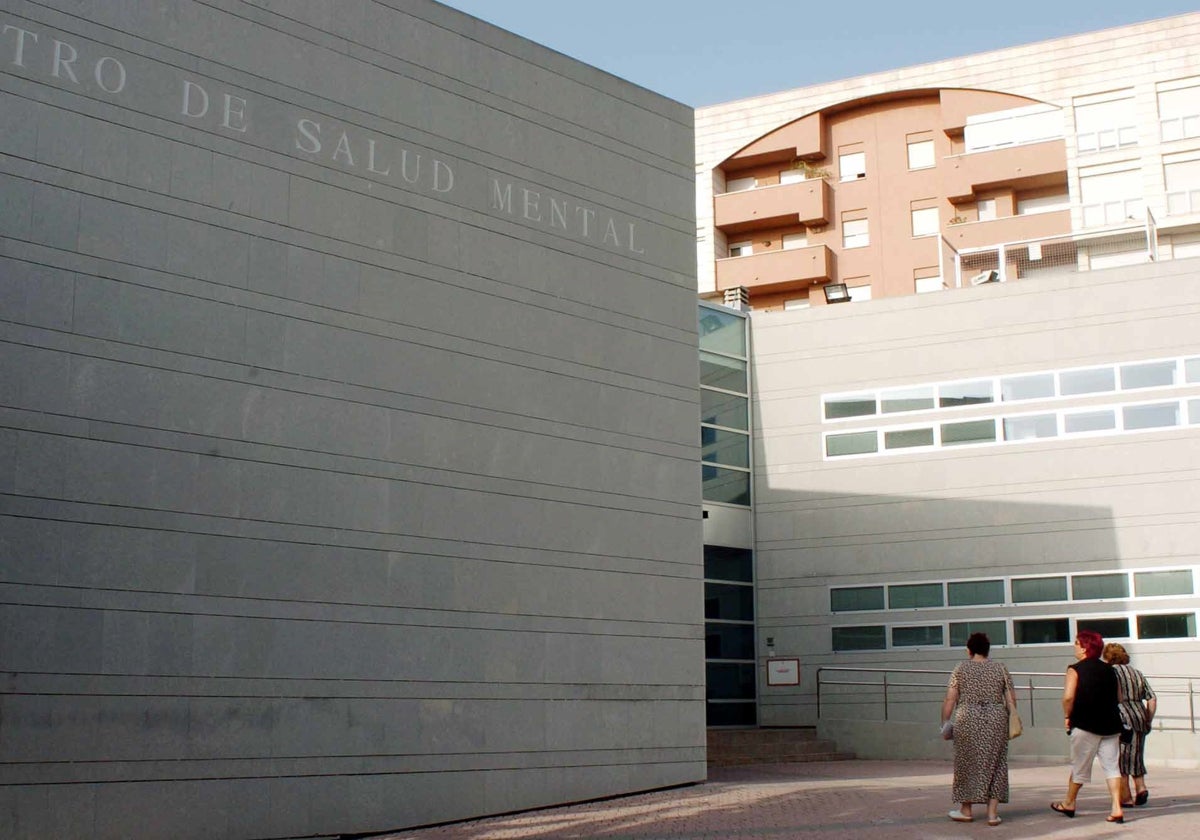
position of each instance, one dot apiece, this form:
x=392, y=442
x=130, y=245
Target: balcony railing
x=1040, y=163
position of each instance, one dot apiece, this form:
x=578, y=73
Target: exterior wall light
x=837, y=293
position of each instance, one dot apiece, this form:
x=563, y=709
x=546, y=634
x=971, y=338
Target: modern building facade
x=342, y=487
x=1017, y=451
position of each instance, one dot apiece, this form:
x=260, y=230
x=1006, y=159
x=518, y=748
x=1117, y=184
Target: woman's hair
x=978, y=644
x=1115, y=654
x=1091, y=642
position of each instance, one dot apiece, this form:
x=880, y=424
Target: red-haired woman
x=1090, y=698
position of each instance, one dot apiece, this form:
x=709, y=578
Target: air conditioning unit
x=989, y=276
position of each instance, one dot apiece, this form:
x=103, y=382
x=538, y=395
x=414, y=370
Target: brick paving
x=865, y=800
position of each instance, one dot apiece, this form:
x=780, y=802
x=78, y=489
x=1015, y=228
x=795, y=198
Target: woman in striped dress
x=1138, y=705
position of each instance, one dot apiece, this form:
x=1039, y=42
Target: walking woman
x=1090, y=698
x=978, y=698
x=1138, y=706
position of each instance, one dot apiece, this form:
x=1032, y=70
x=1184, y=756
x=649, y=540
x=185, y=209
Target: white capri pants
x=1085, y=747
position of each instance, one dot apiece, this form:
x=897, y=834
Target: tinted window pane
x=859, y=638
x=1146, y=584
x=913, y=595
x=1034, y=387
x=729, y=681
x=1030, y=428
x=729, y=601
x=1030, y=590
x=973, y=431
x=728, y=641
x=1191, y=369
x=858, y=405
x=906, y=438
x=1148, y=375
x=722, y=372
x=906, y=399
x=917, y=636
x=966, y=593
x=1094, y=381
x=731, y=714
x=965, y=393
x=854, y=443
x=1182, y=626
x=1109, y=628
x=856, y=598
x=960, y=631
x=724, y=409
x=1091, y=587
x=722, y=332
x=729, y=448
x=1194, y=411
x=1089, y=421
x=1041, y=631
x=725, y=563
x=721, y=485
x=1151, y=416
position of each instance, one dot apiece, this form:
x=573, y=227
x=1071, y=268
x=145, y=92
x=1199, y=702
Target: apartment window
x=1035, y=590
x=908, y=438
x=1031, y=427
x=914, y=595
x=1072, y=383
x=1193, y=412
x=917, y=398
x=741, y=249
x=855, y=233
x=859, y=638
x=740, y=184
x=1033, y=205
x=985, y=208
x=796, y=303
x=853, y=443
x=795, y=240
x=1179, y=112
x=927, y=636
x=925, y=221
x=1082, y=422
x=1181, y=626
x=926, y=280
x=965, y=393
x=856, y=598
x=1148, y=375
x=1183, y=187
x=1109, y=628
x=1035, y=386
x=859, y=293
x=1042, y=631
x=920, y=154
x=851, y=405
x=852, y=166
x=973, y=431
x=1111, y=124
x=965, y=593
x=1157, y=416
x=792, y=176
x=1191, y=369
x=1151, y=584
x=960, y=631
x=1097, y=587
x=1111, y=198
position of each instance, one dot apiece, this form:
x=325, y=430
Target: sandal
x=1066, y=812
x=994, y=821
x=958, y=816
x=1119, y=818
x=1141, y=798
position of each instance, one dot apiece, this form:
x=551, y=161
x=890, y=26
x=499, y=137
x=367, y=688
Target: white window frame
x=921, y=154
x=856, y=238
x=925, y=222
x=852, y=166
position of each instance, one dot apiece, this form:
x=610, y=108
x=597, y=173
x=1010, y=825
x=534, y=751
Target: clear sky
x=702, y=52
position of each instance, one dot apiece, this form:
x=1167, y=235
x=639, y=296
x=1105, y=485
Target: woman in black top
x=1090, y=698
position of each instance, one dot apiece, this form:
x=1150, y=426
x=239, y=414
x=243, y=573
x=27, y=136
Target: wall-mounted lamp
x=837, y=293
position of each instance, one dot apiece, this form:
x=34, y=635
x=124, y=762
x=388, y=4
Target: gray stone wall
x=348, y=398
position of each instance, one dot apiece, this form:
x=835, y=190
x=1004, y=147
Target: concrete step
x=728, y=747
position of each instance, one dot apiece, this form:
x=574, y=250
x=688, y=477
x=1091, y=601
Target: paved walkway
x=865, y=800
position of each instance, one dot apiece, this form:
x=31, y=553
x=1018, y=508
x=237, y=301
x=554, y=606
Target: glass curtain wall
x=731, y=670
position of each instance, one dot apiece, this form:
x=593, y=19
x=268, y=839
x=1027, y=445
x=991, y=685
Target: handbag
x=1014, y=723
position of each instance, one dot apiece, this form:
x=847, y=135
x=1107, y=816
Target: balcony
x=802, y=202
x=1025, y=166
x=1008, y=229
x=799, y=139
x=776, y=269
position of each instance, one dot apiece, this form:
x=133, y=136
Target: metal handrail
x=1029, y=688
